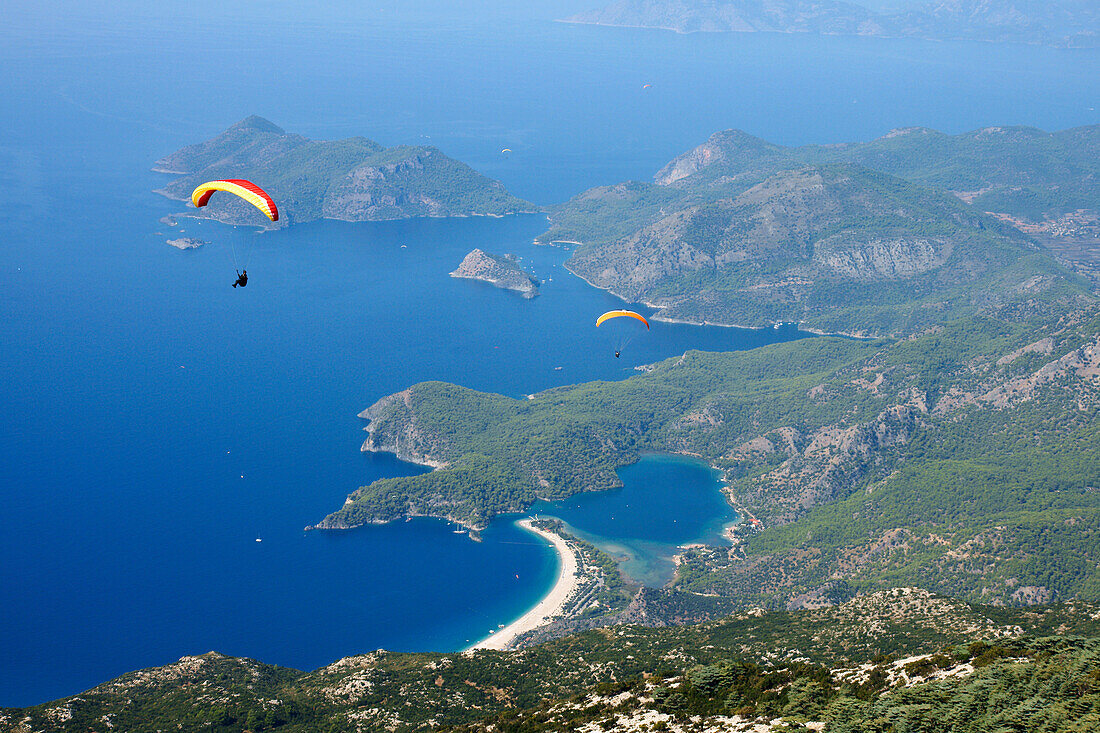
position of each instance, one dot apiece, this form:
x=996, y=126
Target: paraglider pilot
x=616, y=354
x=242, y=280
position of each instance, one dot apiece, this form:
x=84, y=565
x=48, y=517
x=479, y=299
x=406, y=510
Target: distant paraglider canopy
x=247, y=190
x=621, y=335
x=621, y=314
x=506, y=150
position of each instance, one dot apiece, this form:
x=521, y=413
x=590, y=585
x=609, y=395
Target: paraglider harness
x=242, y=278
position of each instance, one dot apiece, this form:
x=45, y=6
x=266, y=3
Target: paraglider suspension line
x=233, y=249
x=236, y=260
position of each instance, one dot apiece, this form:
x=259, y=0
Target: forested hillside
x=904, y=657
x=879, y=238
x=354, y=179
x=962, y=460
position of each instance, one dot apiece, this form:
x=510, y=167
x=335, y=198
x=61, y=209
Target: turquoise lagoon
x=666, y=502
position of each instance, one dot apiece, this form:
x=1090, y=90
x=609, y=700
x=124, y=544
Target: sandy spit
x=550, y=606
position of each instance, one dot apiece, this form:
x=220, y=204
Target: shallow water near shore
x=666, y=501
x=155, y=422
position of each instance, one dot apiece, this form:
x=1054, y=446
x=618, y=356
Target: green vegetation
x=867, y=238
x=1016, y=166
x=848, y=664
x=503, y=453
x=960, y=459
x=355, y=179
x=963, y=460
x=977, y=503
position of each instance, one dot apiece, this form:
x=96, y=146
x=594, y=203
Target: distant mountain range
x=1072, y=23
x=876, y=238
x=354, y=179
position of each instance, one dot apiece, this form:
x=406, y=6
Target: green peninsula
x=864, y=464
x=355, y=179
x=877, y=239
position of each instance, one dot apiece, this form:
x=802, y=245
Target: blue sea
x=155, y=422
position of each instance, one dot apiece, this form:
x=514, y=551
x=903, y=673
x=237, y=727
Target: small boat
x=557, y=369
x=259, y=540
x=459, y=531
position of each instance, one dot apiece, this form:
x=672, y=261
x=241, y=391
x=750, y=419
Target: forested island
x=881, y=238
x=354, y=179
x=502, y=272
x=1063, y=23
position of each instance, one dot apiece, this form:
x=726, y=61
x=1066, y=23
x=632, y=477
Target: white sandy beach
x=550, y=605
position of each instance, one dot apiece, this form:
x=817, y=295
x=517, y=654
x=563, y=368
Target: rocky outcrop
x=872, y=257
x=733, y=149
x=371, y=191
x=395, y=428
x=503, y=272
x=187, y=243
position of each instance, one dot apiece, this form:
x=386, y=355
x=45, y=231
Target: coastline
x=206, y=216
x=665, y=319
x=551, y=604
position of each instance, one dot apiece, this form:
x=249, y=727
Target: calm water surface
x=665, y=502
x=155, y=422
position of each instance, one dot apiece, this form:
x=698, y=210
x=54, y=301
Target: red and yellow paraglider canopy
x=621, y=314
x=247, y=190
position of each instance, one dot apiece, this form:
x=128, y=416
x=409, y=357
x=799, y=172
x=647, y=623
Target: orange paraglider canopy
x=247, y=190
x=621, y=314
